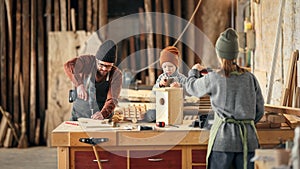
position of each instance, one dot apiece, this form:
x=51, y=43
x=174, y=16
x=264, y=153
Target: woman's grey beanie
x=227, y=45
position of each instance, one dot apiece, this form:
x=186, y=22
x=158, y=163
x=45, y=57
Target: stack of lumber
x=291, y=93
x=271, y=120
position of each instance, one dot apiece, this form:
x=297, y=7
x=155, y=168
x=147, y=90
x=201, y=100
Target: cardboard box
x=270, y=158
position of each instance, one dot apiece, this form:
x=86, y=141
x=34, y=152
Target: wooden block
x=263, y=125
x=275, y=118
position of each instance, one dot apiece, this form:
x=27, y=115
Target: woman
x=237, y=102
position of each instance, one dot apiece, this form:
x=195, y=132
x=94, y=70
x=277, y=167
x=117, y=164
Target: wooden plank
x=23, y=142
x=73, y=20
x=8, y=5
x=132, y=53
x=63, y=160
x=69, y=15
x=89, y=23
x=63, y=15
x=178, y=27
x=41, y=102
x=190, y=35
x=142, y=44
x=26, y=54
x=103, y=10
x=7, y=116
x=56, y=16
x=3, y=130
x=158, y=28
x=59, y=108
x=33, y=69
x=8, y=139
x=81, y=14
x=167, y=28
x=95, y=15
x=48, y=15
x=289, y=78
x=17, y=63
x=3, y=52
x=282, y=109
x=150, y=46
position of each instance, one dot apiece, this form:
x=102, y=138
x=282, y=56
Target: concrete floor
x=28, y=158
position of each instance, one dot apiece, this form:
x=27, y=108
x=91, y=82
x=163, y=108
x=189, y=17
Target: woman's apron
x=243, y=133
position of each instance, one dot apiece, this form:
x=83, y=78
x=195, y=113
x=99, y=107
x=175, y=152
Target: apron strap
x=243, y=133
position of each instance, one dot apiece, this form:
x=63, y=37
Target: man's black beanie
x=107, y=52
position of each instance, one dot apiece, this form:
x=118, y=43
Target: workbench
x=171, y=147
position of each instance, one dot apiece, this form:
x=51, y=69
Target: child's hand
x=163, y=82
x=175, y=84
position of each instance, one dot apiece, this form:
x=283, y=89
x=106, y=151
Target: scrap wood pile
x=289, y=110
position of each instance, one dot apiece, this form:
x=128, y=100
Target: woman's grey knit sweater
x=238, y=97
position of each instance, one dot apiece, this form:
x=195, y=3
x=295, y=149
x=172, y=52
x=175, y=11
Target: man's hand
x=97, y=116
x=81, y=92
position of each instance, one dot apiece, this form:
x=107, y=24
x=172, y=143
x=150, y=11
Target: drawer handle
x=155, y=159
x=102, y=161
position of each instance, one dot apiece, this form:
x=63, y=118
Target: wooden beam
x=17, y=63
x=142, y=44
x=56, y=16
x=166, y=10
x=41, y=64
x=103, y=10
x=33, y=70
x=282, y=109
x=149, y=28
x=80, y=14
x=26, y=53
x=9, y=15
x=178, y=26
x=95, y=15
x=63, y=15
x=89, y=11
x=3, y=52
x=158, y=27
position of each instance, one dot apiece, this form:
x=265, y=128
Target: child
x=169, y=63
x=238, y=104
x=169, y=78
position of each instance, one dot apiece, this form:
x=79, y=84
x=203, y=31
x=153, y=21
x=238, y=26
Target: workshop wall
x=265, y=17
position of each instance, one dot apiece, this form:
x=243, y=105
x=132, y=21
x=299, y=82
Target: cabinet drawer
x=199, y=156
x=109, y=160
x=158, y=159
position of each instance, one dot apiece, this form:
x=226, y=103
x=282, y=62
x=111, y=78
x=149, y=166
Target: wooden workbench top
x=67, y=134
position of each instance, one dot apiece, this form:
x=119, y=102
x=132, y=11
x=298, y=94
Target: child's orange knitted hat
x=169, y=54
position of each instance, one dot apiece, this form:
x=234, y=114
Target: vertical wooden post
x=63, y=15
x=3, y=46
x=178, y=26
x=142, y=44
x=32, y=117
x=41, y=66
x=17, y=63
x=158, y=27
x=166, y=9
x=56, y=16
x=26, y=53
x=10, y=56
x=89, y=11
x=103, y=9
x=190, y=35
x=95, y=15
x=81, y=14
x=150, y=52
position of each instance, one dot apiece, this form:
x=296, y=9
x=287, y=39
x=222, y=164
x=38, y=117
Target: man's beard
x=102, y=72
